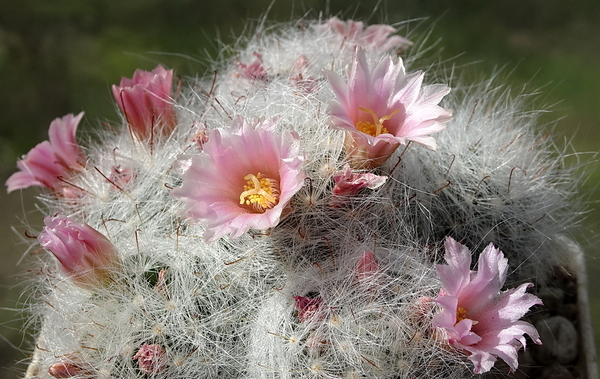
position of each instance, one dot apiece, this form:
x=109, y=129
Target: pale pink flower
x=152, y=359
x=476, y=317
x=348, y=183
x=254, y=70
x=373, y=37
x=84, y=253
x=146, y=102
x=50, y=161
x=242, y=180
x=382, y=108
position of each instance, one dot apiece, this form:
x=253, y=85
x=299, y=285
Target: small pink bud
x=304, y=84
x=200, y=137
x=146, y=102
x=367, y=268
x=254, y=70
x=348, y=183
x=120, y=175
x=309, y=309
x=299, y=77
x=421, y=307
x=161, y=282
x=315, y=343
x=152, y=359
x=84, y=253
x=67, y=368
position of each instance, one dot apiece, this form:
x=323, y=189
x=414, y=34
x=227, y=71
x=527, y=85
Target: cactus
x=285, y=216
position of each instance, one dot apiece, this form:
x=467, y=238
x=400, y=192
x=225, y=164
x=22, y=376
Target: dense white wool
x=495, y=178
x=226, y=309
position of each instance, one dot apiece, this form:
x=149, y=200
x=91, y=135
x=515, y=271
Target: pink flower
x=374, y=37
x=84, y=253
x=242, y=180
x=254, y=70
x=475, y=316
x=348, y=183
x=50, y=161
x=146, y=102
x=152, y=359
x=383, y=108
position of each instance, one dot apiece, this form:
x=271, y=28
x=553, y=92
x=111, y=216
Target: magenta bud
x=152, y=359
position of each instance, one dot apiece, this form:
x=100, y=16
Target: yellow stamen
x=374, y=129
x=260, y=193
x=461, y=314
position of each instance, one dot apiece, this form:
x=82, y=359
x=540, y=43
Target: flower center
x=376, y=128
x=461, y=314
x=260, y=193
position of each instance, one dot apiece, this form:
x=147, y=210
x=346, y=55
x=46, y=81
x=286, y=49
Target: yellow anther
x=260, y=193
x=376, y=128
x=461, y=314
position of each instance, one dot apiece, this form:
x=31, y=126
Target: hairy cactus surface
x=322, y=205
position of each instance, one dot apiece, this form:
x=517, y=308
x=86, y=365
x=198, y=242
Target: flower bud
x=146, y=102
x=84, y=253
x=151, y=358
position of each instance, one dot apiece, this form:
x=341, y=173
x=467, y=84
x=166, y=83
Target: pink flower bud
x=309, y=309
x=120, y=175
x=84, y=253
x=300, y=78
x=51, y=162
x=152, y=359
x=68, y=367
x=200, y=137
x=146, y=102
x=367, y=268
x=254, y=70
x=348, y=183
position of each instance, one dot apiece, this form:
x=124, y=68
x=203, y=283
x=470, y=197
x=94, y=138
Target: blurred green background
x=61, y=56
